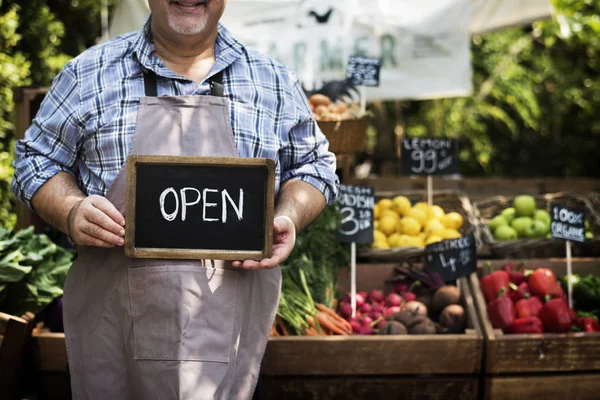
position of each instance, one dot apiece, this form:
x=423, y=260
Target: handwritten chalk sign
x=428, y=156
x=199, y=207
x=453, y=258
x=567, y=223
x=363, y=71
x=356, y=206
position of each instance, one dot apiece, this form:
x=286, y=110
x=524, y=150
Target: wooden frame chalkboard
x=226, y=165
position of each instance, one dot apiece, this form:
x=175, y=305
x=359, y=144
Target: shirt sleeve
x=306, y=155
x=50, y=143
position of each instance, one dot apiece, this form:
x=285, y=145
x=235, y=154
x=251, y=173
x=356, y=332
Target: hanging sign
x=453, y=258
x=568, y=223
x=363, y=71
x=429, y=156
x=356, y=206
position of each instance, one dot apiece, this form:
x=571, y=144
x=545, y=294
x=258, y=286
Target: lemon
x=405, y=241
x=409, y=226
x=387, y=225
x=433, y=239
x=376, y=211
x=422, y=236
x=418, y=214
x=433, y=227
x=394, y=240
x=385, y=204
x=422, y=205
x=376, y=224
x=389, y=213
x=450, y=234
x=418, y=241
x=453, y=220
x=436, y=212
x=379, y=236
x=401, y=205
x=381, y=245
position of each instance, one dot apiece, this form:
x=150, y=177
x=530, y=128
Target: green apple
x=497, y=221
x=537, y=229
x=508, y=214
x=520, y=224
x=505, y=232
x=524, y=206
x=587, y=225
x=542, y=215
x=589, y=235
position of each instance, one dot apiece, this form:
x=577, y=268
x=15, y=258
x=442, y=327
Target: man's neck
x=188, y=56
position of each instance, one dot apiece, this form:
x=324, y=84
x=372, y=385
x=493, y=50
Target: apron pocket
x=182, y=313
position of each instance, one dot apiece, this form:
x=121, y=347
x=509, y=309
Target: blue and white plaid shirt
x=86, y=122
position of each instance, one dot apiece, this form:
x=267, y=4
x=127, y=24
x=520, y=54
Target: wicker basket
x=347, y=136
x=595, y=200
x=541, y=247
x=448, y=200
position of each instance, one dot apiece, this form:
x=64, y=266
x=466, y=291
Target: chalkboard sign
x=199, y=207
x=453, y=258
x=356, y=206
x=567, y=223
x=363, y=71
x=428, y=156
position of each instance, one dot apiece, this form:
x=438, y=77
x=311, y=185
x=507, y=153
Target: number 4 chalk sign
x=356, y=206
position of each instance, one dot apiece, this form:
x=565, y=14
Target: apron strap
x=150, y=85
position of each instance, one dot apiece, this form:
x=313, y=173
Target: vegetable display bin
x=540, y=247
x=347, y=136
x=539, y=366
x=369, y=367
x=51, y=375
x=449, y=200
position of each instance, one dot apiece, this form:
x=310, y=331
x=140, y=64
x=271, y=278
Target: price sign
x=356, y=206
x=363, y=71
x=567, y=223
x=452, y=258
x=428, y=156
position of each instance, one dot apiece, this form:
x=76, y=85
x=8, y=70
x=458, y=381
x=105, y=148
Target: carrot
x=281, y=326
x=325, y=321
x=341, y=321
x=274, y=331
x=310, y=332
x=314, y=324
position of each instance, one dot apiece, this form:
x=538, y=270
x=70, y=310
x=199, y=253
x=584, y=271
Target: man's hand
x=94, y=221
x=284, y=238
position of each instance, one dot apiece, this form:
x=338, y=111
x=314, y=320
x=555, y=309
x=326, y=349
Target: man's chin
x=189, y=28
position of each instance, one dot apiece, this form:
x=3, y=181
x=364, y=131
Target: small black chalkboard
x=356, y=206
x=363, y=71
x=428, y=156
x=199, y=207
x=567, y=223
x=453, y=258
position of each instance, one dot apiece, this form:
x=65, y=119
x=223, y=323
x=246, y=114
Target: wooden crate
x=51, y=375
x=548, y=352
x=543, y=387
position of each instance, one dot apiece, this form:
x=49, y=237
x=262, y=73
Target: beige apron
x=168, y=329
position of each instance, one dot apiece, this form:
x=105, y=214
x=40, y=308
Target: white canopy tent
x=424, y=46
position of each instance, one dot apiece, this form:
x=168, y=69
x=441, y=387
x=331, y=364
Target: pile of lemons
x=398, y=224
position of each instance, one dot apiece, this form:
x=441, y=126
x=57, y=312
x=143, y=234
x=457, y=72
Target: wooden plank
x=545, y=387
x=548, y=352
x=15, y=331
x=361, y=388
x=5, y=320
x=50, y=351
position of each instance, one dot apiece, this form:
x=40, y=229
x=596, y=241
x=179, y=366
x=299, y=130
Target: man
x=182, y=85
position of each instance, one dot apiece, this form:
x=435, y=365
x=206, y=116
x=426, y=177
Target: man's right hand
x=95, y=221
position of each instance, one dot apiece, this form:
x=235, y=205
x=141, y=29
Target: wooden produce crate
x=541, y=366
x=539, y=247
x=449, y=200
x=51, y=375
x=367, y=367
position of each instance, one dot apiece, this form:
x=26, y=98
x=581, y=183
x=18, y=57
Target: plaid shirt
x=86, y=122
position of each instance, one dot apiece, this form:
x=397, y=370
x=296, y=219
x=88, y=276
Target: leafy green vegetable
x=586, y=292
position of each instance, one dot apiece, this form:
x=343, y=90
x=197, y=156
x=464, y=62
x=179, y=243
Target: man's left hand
x=284, y=238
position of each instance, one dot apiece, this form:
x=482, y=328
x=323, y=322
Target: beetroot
x=356, y=326
x=377, y=307
x=416, y=307
x=375, y=315
x=376, y=296
x=365, y=308
x=366, y=330
x=345, y=310
x=409, y=296
x=381, y=324
x=388, y=312
x=401, y=288
x=366, y=321
x=393, y=300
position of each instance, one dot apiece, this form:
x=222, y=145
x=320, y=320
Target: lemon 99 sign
x=356, y=203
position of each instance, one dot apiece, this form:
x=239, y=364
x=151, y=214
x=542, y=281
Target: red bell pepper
x=516, y=273
x=528, y=307
x=493, y=284
x=521, y=292
x=502, y=312
x=542, y=283
x=527, y=325
x=556, y=315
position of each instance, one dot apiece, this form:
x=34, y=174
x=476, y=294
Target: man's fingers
x=99, y=232
x=108, y=208
x=87, y=240
x=99, y=218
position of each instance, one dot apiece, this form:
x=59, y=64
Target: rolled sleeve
x=50, y=143
x=306, y=155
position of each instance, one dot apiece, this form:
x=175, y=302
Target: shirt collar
x=227, y=51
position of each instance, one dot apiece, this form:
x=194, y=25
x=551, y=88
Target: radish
x=376, y=296
x=375, y=315
x=377, y=307
x=356, y=326
x=393, y=300
x=388, y=312
x=401, y=288
x=366, y=321
x=409, y=296
x=365, y=308
x=345, y=310
x=366, y=330
x=360, y=299
x=381, y=324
